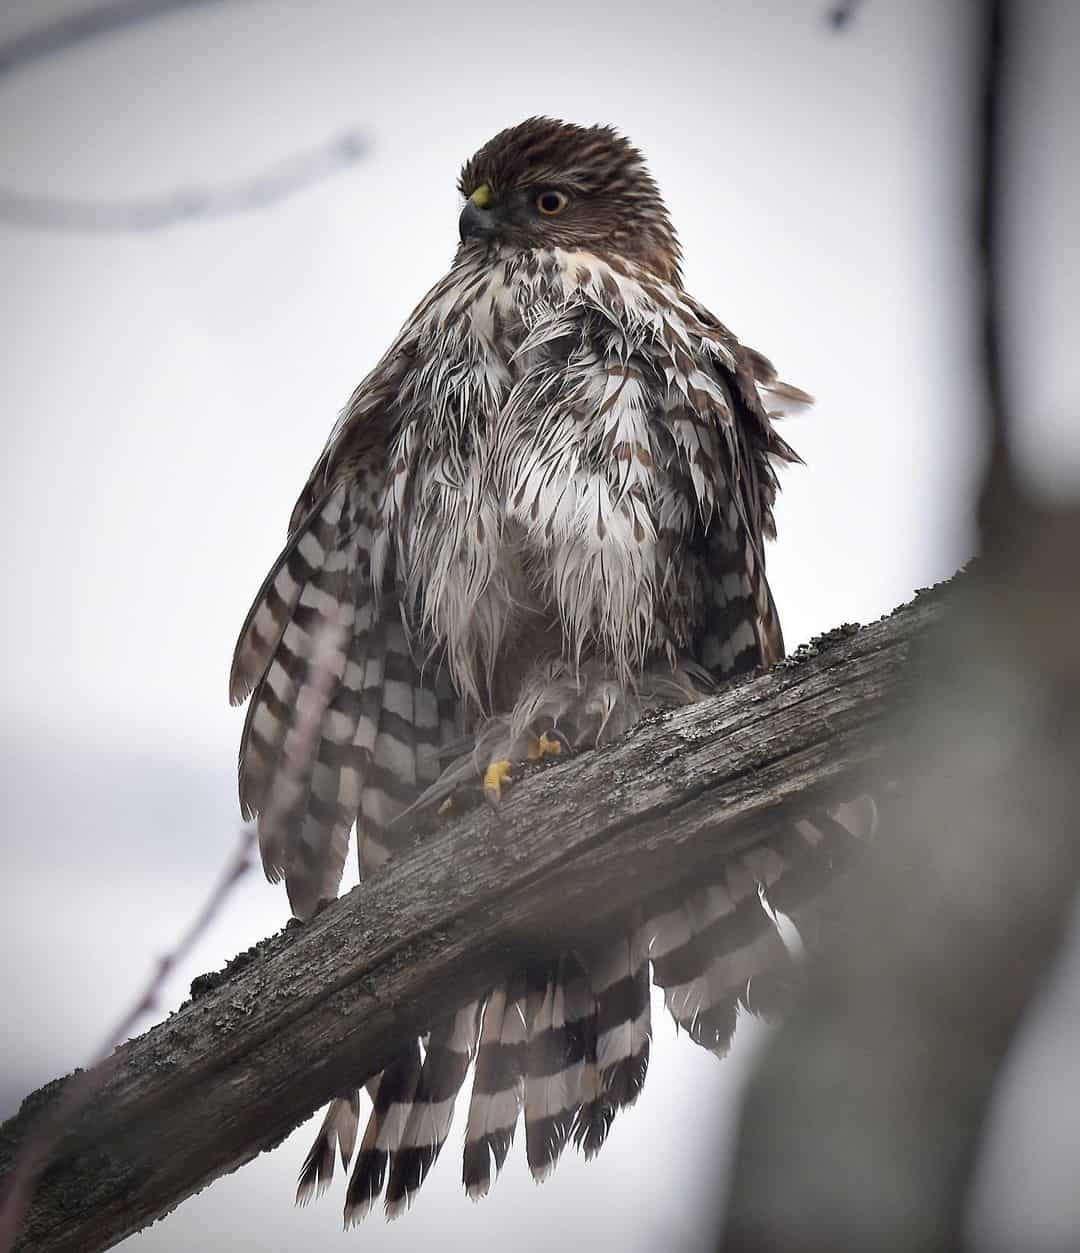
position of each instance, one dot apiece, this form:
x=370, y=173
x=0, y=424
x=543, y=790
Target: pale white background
x=165, y=394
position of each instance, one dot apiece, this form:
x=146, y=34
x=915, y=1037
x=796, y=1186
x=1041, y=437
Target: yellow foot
x=495, y=776
x=446, y=806
x=544, y=746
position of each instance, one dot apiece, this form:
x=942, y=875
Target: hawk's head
x=547, y=184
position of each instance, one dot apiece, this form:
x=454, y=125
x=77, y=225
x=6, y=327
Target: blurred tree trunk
x=862, y=1126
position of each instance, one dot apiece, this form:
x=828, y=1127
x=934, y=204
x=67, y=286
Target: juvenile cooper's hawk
x=541, y=515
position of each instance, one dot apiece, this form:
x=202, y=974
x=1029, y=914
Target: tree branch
x=75, y=29
x=285, y=178
x=39, y=1140
x=303, y=1015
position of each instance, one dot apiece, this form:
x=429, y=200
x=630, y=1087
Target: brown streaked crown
x=613, y=208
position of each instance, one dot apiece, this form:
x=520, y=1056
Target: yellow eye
x=551, y=202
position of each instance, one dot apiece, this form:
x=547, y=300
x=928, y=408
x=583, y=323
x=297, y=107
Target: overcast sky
x=166, y=393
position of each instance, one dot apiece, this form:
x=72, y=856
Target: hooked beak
x=475, y=223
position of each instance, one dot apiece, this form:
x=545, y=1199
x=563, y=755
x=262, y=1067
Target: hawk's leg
x=560, y=709
x=498, y=772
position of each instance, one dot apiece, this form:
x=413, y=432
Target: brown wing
x=344, y=723
x=716, y=949
x=740, y=628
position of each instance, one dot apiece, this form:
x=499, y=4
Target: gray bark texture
x=297, y=1018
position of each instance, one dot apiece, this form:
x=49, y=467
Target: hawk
x=540, y=516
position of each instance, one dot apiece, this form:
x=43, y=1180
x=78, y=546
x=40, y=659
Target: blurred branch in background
x=285, y=178
x=46, y=1126
x=80, y=27
x=840, y=15
x=46, y=1122
x=863, y=1124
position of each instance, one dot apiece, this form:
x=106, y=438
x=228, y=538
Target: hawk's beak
x=475, y=223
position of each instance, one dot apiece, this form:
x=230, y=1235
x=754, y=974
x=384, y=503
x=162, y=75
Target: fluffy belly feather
x=497, y=585
x=530, y=508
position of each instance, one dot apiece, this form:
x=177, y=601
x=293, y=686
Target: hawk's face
x=548, y=184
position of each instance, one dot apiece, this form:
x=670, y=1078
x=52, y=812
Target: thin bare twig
x=840, y=15
x=78, y=28
x=286, y=178
x=136, y=216
x=42, y=1139
x=38, y=1146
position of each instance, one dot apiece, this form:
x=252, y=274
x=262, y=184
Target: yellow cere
x=481, y=197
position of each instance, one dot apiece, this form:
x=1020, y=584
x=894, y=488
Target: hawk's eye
x=551, y=202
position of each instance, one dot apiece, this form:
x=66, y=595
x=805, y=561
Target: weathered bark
x=297, y=1018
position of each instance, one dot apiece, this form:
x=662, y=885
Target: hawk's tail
x=338, y=1132
x=572, y=1050
x=498, y=1086
x=392, y=1094
x=618, y=1049
x=560, y=1008
x=450, y=1048
x=721, y=948
x=412, y=1107
x=570, y=1044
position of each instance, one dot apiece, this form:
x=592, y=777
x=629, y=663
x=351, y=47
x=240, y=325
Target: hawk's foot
x=497, y=773
x=544, y=745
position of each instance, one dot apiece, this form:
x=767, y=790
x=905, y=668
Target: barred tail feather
x=451, y=1047
x=620, y=983
x=721, y=948
x=706, y=951
x=555, y=1063
x=498, y=1087
x=805, y=894
x=338, y=1132
x=596, y=1114
x=834, y=837
x=618, y=1037
x=392, y=1095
